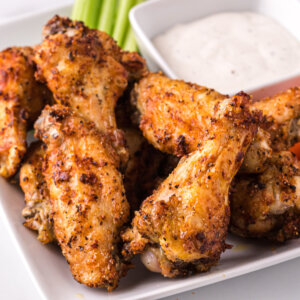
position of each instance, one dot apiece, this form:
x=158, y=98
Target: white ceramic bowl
x=154, y=17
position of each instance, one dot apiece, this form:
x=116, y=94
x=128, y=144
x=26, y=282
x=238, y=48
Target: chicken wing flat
x=83, y=69
x=21, y=99
x=37, y=212
x=181, y=228
x=175, y=115
x=87, y=195
x=268, y=204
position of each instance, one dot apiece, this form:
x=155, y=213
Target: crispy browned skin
x=268, y=204
x=87, y=195
x=282, y=129
x=175, y=115
x=21, y=100
x=282, y=111
x=132, y=61
x=37, y=212
x=147, y=166
x=146, y=169
x=86, y=70
x=182, y=226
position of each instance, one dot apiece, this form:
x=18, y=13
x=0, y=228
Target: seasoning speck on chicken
x=87, y=195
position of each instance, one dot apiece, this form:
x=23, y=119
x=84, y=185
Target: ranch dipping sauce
x=230, y=51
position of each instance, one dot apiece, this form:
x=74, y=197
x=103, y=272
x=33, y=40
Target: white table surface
x=276, y=283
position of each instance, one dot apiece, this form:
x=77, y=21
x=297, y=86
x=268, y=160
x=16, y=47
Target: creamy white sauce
x=230, y=51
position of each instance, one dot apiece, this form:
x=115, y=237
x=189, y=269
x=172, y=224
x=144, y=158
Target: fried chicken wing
x=283, y=113
x=281, y=129
x=181, y=228
x=86, y=70
x=21, y=100
x=146, y=169
x=175, y=115
x=258, y=154
x=132, y=61
x=146, y=166
x=87, y=195
x=37, y=212
x=268, y=204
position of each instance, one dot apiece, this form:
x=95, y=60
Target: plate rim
x=164, y=291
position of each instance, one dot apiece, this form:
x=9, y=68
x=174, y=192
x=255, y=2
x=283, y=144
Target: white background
x=278, y=282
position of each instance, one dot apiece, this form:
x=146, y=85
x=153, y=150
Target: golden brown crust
x=267, y=205
x=87, y=195
x=83, y=75
x=37, y=212
x=175, y=115
x=187, y=216
x=265, y=194
x=282, y=112
x=86, y=70
x=132, y=61
x=21, y=100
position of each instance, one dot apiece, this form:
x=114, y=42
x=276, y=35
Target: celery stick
x=122, y=21
x=91, y=12
x=107, y=14
x=77, y=11
x=130, y=42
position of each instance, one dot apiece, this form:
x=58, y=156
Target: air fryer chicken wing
x=181, y=228
x=132, y=61
x=268, y=204
x=146, y=166
x=87, y=195
x=84, y=70
x=37, y=212
x=21, y=100
x=282, y=111
x=281, y=130
x=175, y=115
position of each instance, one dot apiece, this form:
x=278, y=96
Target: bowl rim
x=144, y=41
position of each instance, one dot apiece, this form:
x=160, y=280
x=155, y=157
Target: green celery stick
x=107, y=14
x=122, y=21
x=130, y=42
x=91, y=12
x=78, y=10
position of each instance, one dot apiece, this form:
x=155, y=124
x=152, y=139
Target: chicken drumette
x=87, y=195
x=181, y=228
x=21, y=100
x=86, y=70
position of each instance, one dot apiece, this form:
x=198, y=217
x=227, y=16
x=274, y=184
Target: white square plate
x=48, y=268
